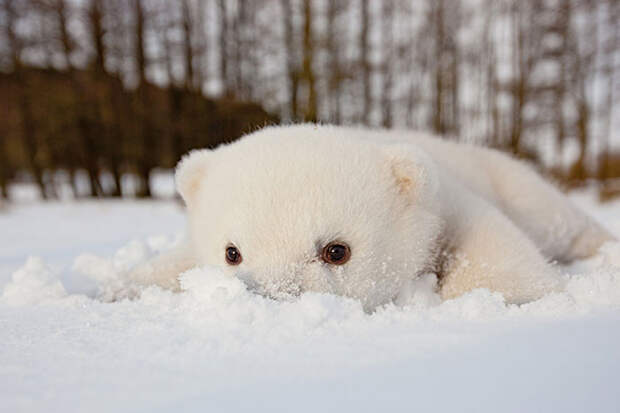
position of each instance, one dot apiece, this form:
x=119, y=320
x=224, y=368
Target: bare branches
x=525, y=76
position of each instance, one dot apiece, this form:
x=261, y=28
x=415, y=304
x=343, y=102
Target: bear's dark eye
x=336, y=253
x=233, y=256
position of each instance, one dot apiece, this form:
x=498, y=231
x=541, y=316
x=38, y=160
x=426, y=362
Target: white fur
x=406, y=203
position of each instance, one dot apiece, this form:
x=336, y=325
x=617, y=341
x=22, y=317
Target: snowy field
x=64, y=347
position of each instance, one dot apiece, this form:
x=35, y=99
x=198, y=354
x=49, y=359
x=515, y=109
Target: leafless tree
x=15, y=47
x=292, y=68
x=334, y=69
x=387, y=14
x=307, y=75
x=365, y=69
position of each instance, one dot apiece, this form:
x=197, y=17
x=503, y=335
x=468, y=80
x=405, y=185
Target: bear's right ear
x=413, y=172
x=190, y=171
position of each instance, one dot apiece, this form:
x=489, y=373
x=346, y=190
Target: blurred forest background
x=102, y=89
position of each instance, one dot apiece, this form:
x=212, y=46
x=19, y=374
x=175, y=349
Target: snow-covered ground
x=217, y=347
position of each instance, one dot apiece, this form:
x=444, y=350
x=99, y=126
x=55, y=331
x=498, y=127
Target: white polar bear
x=360, y=213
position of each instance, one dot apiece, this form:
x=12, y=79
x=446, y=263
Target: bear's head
x=313, y=208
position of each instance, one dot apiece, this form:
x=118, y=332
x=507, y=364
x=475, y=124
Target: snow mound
x=34, y=283
x=593, y=285
x=77, y=334
x=217, y=346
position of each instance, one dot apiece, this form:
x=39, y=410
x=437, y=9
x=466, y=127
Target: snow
x=70, y=342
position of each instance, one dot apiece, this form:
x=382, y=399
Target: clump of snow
x=420, y=292
x=111, y=275
x=595, y=287
x=34, y=283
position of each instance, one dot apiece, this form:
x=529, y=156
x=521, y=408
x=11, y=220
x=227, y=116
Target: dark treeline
x=87, y=118
x=82, y=122
x=125, y=86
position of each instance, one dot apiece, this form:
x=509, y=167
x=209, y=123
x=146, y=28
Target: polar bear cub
x=359, y=213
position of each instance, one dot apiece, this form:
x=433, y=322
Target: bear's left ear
x=190, y=170
x=413, y=172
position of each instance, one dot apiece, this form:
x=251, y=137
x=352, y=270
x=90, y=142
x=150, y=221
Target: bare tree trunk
x=419, y=67
x=388, y=59
x=175, y=104
x=223, y=46
x=454, y=86
x=517, y=119
x=583, y=119
x=437, y=19
x=239, y=27
x=201, y=53
x=116, y=154
x=364, y=46
x=562, y=31
x=73, y=183
x=187, y=45
x=292, y=73
x=139, y=42
x=490, y=68
x=145, y=158
x=519, y=84
x=584, y=65
x=25, y=111
x=250, y=50
x=65, y=39
x=88, y=146
x=113, y=150
x=307, y=69
x=95, y=20
x=610, y=73
x=412, y=103
x=30, y=141
x=334, y=70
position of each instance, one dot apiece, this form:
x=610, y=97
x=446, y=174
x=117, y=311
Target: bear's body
x=404, y=203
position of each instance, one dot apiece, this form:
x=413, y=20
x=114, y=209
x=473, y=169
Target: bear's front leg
x=484, y=249
x=164, y=269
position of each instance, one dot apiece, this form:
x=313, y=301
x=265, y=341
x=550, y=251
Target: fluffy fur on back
x=405, y=203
